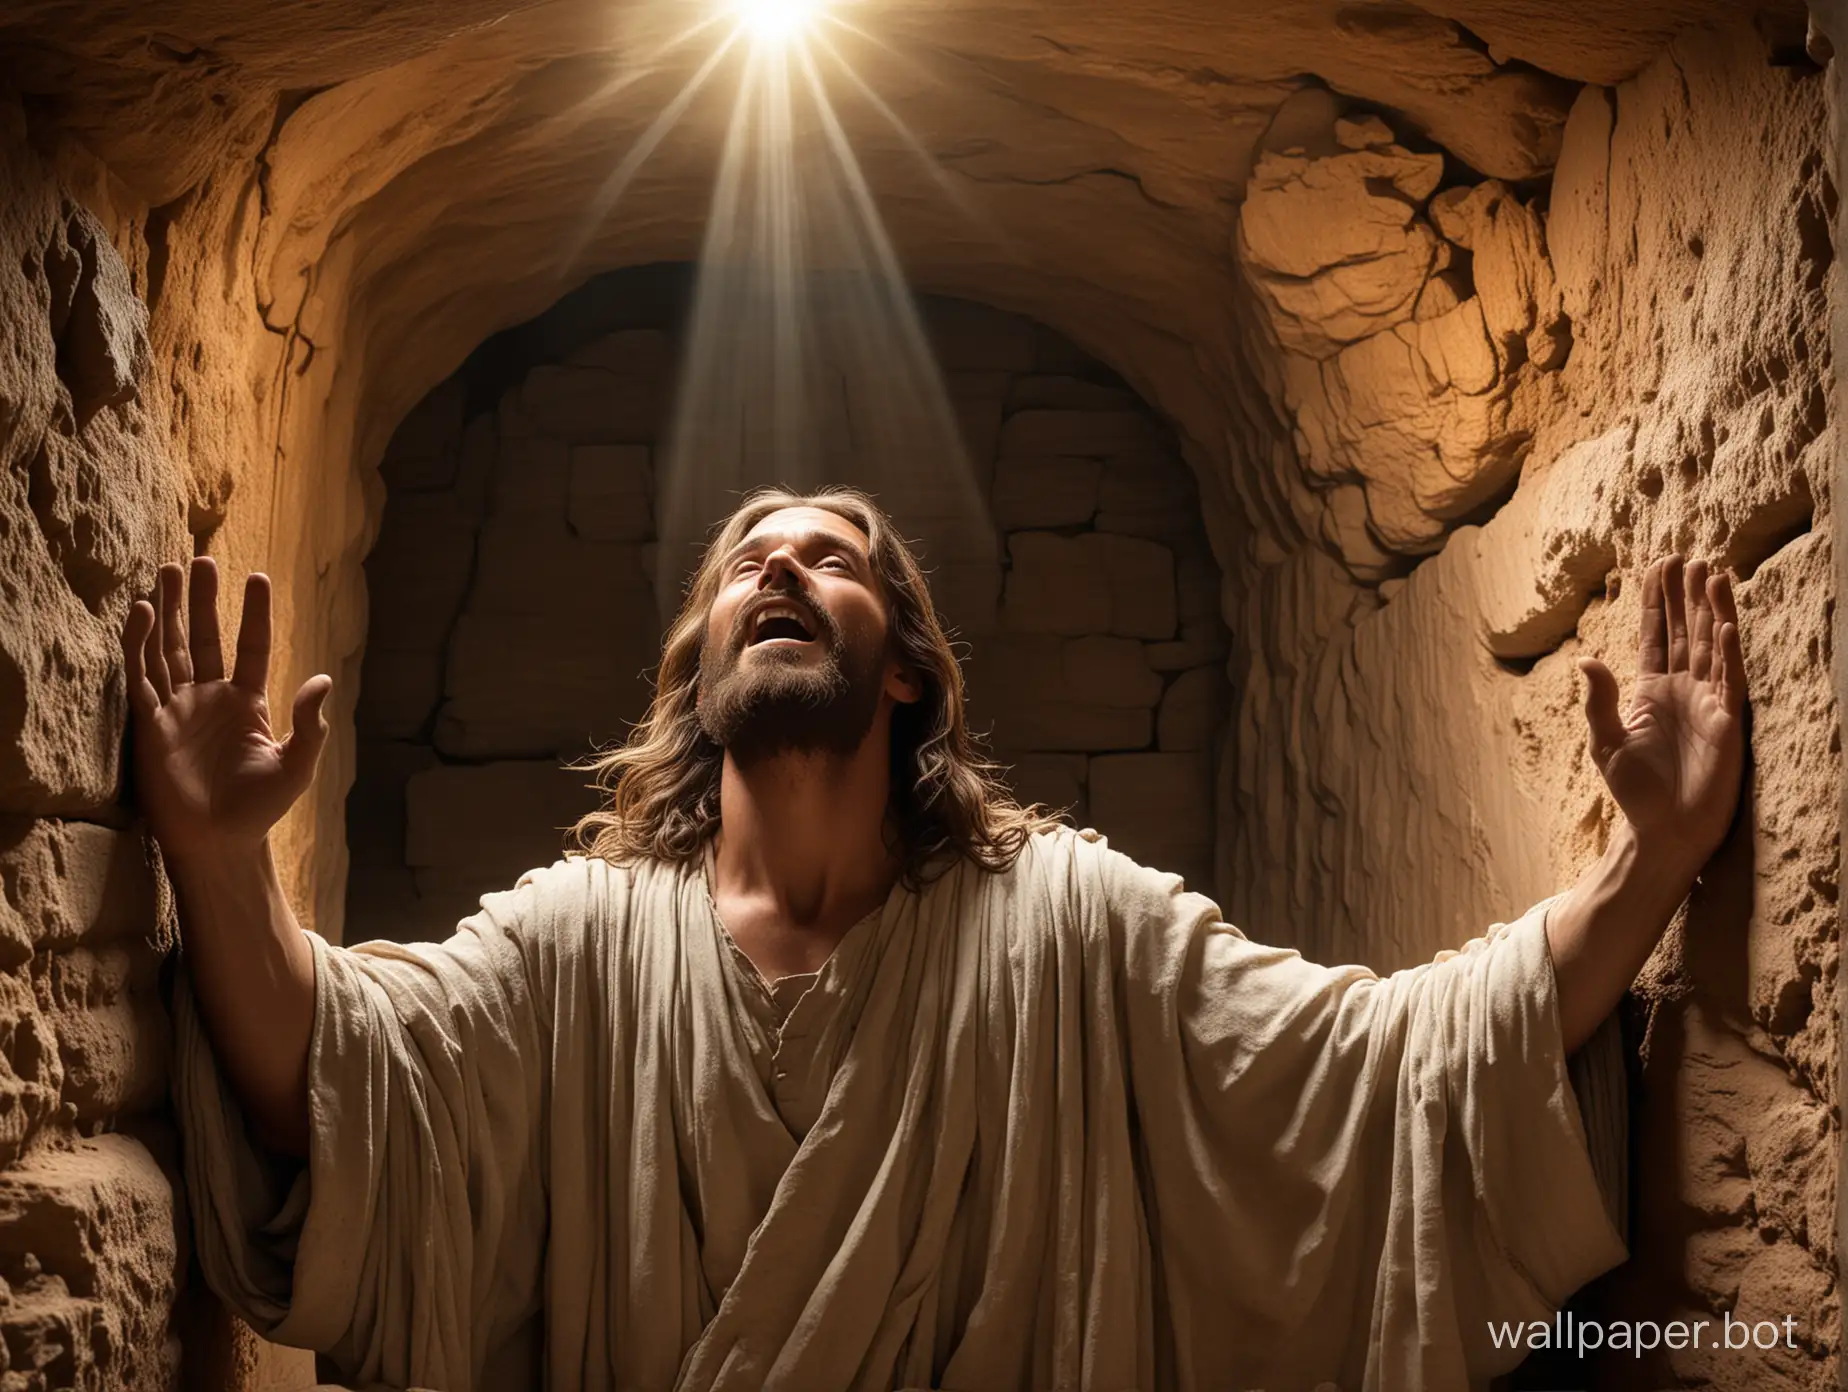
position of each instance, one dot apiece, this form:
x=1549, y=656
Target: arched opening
x=513, y=618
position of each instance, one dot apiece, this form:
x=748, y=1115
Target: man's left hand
x=1674, y=760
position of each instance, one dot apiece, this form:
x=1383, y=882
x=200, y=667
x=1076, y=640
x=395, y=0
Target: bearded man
x=827, y=1065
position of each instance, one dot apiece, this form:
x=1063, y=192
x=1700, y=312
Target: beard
x=763, y=702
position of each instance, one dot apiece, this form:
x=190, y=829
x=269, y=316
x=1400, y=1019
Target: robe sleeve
x=408, y=1245
x=1357, y=1173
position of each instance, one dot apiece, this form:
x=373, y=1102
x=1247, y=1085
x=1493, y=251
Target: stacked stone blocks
x=514, y=622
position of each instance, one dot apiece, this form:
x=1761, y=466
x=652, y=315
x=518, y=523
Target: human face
x=796, y=657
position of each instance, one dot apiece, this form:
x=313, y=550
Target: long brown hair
x=948, y=799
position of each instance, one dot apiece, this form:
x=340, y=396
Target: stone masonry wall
x=514, y=620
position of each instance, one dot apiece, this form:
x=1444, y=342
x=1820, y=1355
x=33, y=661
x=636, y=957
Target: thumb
x=1601, y=713
x=307, y=730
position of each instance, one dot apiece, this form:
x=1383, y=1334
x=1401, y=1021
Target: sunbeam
x=957, y=196
x=624, y=173
x=805, y=361
x=776, y=22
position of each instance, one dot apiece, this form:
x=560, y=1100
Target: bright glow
x=775, y=21
x=805, y=361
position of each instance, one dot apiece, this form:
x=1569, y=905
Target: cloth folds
x=1073, y=1132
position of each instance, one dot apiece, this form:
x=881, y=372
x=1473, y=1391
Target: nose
x=781, y=571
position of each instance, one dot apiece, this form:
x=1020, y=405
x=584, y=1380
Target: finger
x=253, y=637
x=1700, y=620
x=1732, y=668
x=153, y=655
x=135, y=630
x=172, y=625
x=1729, y=658
x=307, y=730
x=208, y=656
x=1652, y=656
x=1601, y=709
x=1725, y=606
x=1675, y=600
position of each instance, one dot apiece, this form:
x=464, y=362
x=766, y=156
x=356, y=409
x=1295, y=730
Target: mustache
x=820, y=620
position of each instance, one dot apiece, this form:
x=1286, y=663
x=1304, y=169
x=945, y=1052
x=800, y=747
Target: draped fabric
x=1058, y=1127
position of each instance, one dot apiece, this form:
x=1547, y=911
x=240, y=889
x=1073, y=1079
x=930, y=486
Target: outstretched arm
x=1673, y=764
x=213, y=779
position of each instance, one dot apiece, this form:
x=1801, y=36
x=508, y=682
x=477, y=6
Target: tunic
x=1056, y=1127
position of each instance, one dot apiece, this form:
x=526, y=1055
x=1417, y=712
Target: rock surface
x=87, y=1218
x=1459, y=313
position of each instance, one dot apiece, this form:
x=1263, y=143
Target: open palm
x=1674, y=760
x=209, y=770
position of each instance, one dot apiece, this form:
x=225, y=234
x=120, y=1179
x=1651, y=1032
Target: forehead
x=801, y=523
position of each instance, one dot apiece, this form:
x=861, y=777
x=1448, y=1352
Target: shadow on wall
x=514, y=621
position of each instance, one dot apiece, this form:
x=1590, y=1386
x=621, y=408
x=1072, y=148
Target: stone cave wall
x=514, y=621
x=118, y=428
x=91, y=1248
x=1586, y=322
x=1502, y=402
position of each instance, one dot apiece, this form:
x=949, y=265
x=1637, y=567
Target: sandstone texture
x=1454, y=315
x=90, y=1253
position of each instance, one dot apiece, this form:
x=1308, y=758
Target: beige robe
x=1056, y=1128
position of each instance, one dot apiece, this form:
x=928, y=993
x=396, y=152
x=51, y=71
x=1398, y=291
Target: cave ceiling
x=1082, y=162
x=1178, y=92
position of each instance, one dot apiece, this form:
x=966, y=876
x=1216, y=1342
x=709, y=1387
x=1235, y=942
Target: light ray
x=932, y=164
x=649, y=65
x=775, y=22
x=624, y=173
x=805, y=360
x=860, y=31
x=896, y=313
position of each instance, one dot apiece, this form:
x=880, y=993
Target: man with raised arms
x=824, y=1064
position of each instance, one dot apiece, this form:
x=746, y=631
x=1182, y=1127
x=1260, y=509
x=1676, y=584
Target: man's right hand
x=213, y=779
x=211, y=775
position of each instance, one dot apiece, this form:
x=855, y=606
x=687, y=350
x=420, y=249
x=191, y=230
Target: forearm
x=1602, y=930
x=253, y=977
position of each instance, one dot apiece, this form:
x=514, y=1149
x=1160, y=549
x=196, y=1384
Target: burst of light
x=805, y=360
x=775, y=21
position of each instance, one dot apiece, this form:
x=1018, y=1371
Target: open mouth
x=779, y=623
